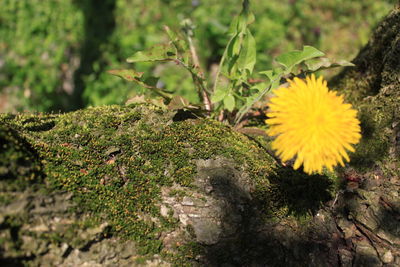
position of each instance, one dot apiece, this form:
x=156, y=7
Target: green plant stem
x=219, y=68
x=159, y=92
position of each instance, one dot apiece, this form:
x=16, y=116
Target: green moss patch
x=116, y=159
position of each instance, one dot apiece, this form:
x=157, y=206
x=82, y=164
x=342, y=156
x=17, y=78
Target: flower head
x=312, y=125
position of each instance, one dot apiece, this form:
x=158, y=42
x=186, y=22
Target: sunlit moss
x=116, y=159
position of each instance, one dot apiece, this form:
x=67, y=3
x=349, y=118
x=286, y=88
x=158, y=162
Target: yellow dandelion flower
x=312, y=125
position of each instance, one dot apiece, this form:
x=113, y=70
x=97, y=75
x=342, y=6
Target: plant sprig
x=231, y=94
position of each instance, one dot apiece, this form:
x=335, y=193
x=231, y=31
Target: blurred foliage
x=54, y=54
x=38, y=46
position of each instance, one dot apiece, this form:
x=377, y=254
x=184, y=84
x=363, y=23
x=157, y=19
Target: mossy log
x=191, y=191
x=137, y=185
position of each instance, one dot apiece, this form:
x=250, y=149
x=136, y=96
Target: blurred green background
x=54, y=54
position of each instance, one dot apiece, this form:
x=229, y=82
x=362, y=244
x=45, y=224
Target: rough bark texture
x=136, y=185
x=368, y=213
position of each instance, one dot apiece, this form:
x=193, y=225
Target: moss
x=178, y=194
x=116, y=159
x=141, y=260
x=53, y=237
x=375, y=142
x=77, y=234
x=186, y=254
x=376, y=113
x=372, y=86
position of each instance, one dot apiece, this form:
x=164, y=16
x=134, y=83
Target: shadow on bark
x=248, y=239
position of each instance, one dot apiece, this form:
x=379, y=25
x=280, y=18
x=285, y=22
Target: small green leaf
x=290, y=59
x=159, y=102
x=177, y=39
x=311, y=52
x=127, y=74
x=268, y=73
x=247, y=56
x=171, y=34
x=151, y=81
x=343, y=63
x=133, y=76
x=219, y=95
x=232, y=55
x=274, y=76
x=160, y=52
x=259, y=87
x=237, y=45
x=180, y=44
x=233, y=26
x=231, y=68
x=233, y=46
x=136, y=99
x=229, y=102
x=325, y=63
x=245, y=18
x=241, y=23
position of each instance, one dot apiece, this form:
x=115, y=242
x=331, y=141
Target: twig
x=199, y=79
x=336, y=198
